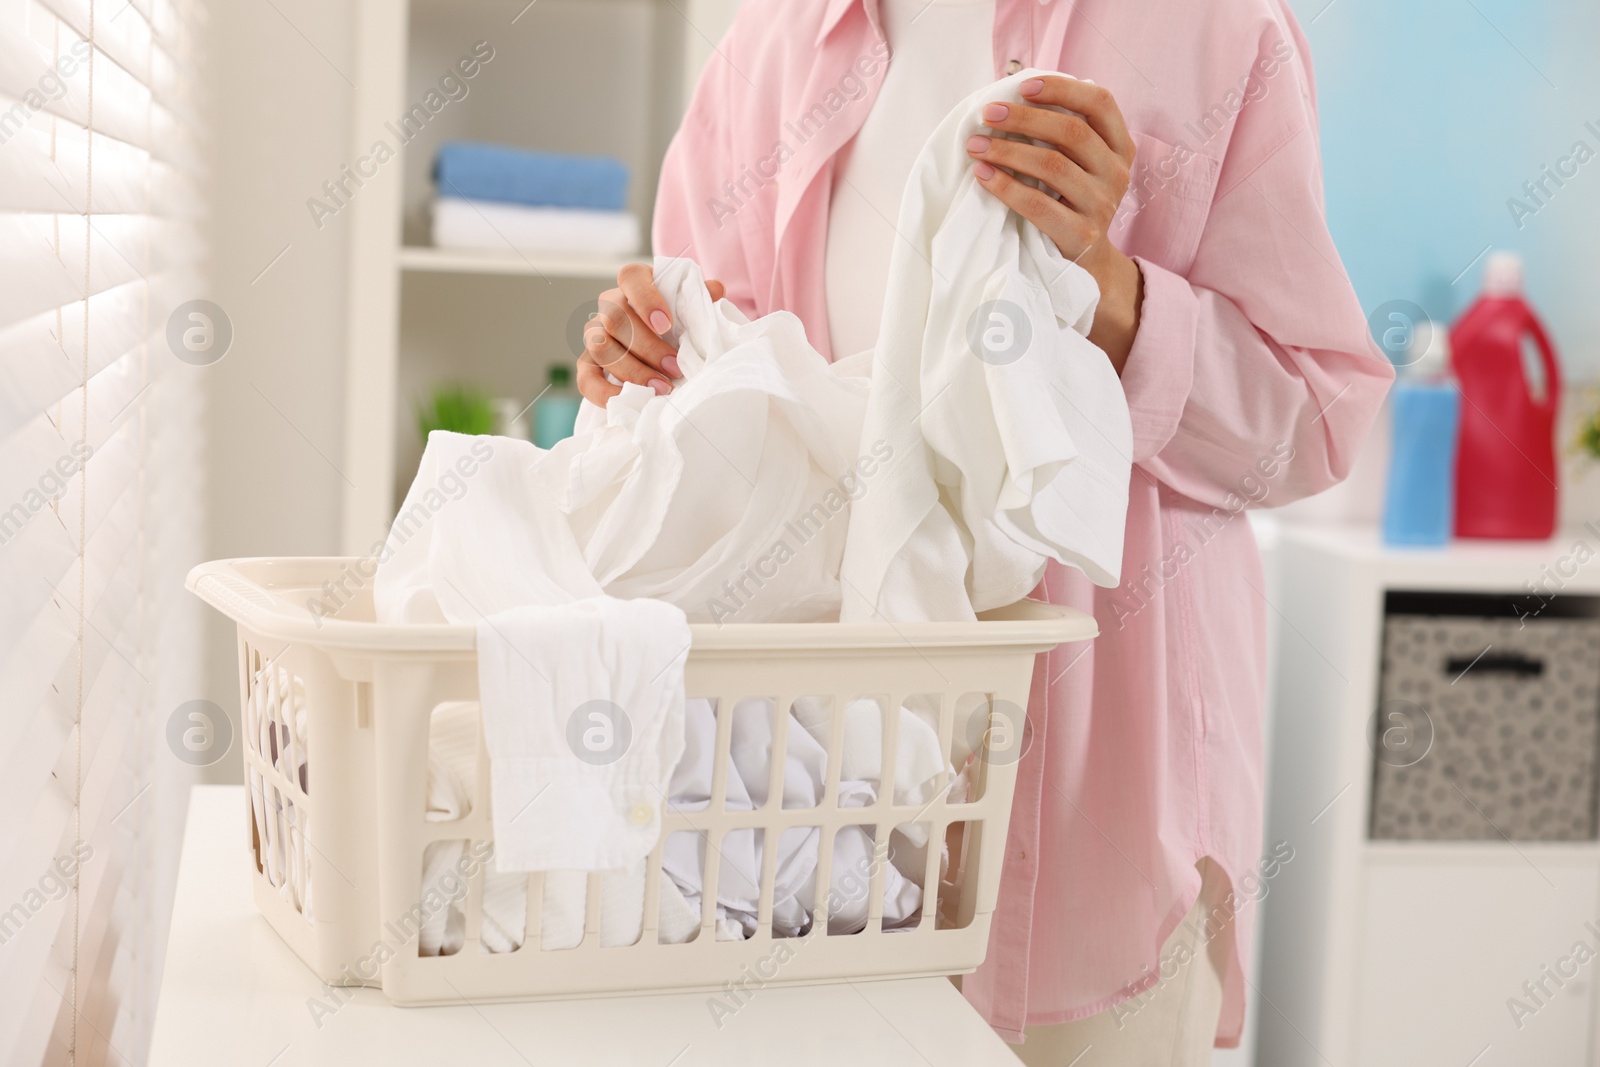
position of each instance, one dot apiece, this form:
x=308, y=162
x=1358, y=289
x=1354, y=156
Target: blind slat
x=28, y=672
x=46, y=79
x=40, y=467
x=41, y=356
x=42, y=257
x=34, y=840
x=45, y=604
x=44, y=171
x=37, y=562
x=126, y=38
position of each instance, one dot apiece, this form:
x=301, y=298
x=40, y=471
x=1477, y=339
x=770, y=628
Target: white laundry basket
x=338, y=847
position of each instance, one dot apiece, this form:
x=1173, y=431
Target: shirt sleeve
x=1259, y=361
x=692, y=218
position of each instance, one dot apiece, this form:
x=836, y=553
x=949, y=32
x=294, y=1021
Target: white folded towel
x=487, y=226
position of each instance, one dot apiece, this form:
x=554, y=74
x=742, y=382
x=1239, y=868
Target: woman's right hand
x=624, y=338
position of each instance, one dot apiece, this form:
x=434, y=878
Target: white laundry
x=731, y=496
x=452, y=760
x=728, y=498
x=452, y=756
x=1001, y=460
x=553, y=651
x=583, y=720
x=921, y=774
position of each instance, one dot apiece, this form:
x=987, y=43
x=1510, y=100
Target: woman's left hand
x=1090, y=165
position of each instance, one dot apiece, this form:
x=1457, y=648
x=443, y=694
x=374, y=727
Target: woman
x=1190, y=188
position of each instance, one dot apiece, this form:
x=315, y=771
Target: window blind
x=101, y=234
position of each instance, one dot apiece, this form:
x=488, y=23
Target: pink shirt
x=1252, y=382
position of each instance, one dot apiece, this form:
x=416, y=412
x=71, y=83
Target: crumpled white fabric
x=452, y=762
x=729, y=497
x=1001, y=461
x=921, y=773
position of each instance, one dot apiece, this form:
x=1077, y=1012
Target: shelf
x=1468, y=566
x=422, y=259
x=1363, y=542
x=1456, y=852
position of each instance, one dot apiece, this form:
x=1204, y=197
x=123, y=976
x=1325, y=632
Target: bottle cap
x=1502, y=275
x=1428, y=356
x=510, y=417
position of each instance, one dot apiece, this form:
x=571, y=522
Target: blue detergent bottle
x=1419, y=504
x=556, y=411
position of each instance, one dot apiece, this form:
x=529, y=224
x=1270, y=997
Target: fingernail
x=670, y=365
x=978, y=144
x=661, y=386
x=983, y=171
x=659, y=321
x=995, y=112
x=1031, y=87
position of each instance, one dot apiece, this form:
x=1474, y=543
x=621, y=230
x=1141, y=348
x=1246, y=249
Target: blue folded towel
x=477, y=171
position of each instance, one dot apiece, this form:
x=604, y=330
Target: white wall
x=281, y=107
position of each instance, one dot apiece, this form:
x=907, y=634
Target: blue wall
x=1434, y=113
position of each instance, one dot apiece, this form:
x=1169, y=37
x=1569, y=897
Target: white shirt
x=1006, y=431
x=941, y=51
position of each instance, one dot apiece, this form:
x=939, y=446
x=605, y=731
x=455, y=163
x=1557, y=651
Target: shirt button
x=641, y=814
x=1013, y=65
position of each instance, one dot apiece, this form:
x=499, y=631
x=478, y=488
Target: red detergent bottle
x=1506, y=473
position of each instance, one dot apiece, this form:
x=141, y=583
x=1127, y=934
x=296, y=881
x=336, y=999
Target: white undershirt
x=941, y=51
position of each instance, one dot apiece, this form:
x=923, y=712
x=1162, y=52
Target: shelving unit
x=1386, y=953
x=425, y=259
x=593, y=77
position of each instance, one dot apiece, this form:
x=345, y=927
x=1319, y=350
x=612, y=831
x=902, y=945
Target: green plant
x=457, y=408
x=1589, y=435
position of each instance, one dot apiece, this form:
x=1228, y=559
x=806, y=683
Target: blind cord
x=83, y=544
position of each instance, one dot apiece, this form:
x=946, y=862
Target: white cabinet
x=1448, y=938
x=1390, y=953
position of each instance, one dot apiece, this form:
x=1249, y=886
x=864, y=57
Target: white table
x=233, y=993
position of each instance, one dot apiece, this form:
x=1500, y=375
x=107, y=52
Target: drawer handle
x=1505, y=663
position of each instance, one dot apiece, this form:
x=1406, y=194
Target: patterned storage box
x=1487, y=729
